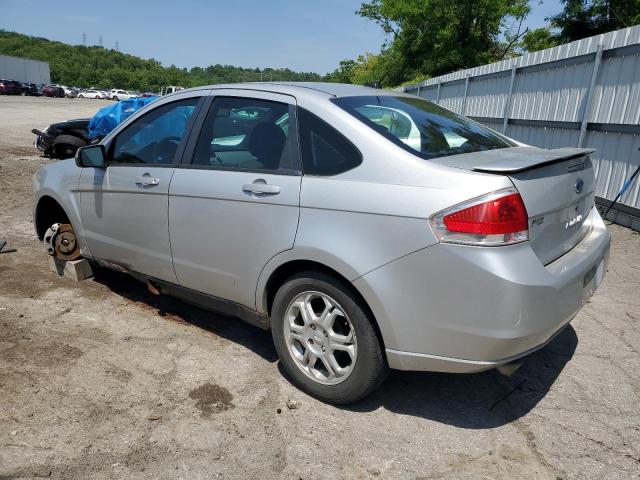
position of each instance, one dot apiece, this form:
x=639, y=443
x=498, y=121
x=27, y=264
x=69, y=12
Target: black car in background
x=62, y=139
x=51, y=91
x=10, y=87
x=31, y=89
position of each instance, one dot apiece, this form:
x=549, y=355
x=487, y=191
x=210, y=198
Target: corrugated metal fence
x=585, y=93
x=24, y=70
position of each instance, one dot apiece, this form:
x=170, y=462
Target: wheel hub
x=60, y=242
x=320, y=337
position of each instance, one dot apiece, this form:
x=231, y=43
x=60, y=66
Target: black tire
x=116, y=98
x=65, y=146
x=370, y=368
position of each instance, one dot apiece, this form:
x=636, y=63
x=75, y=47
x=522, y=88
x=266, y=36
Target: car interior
x=244, y=134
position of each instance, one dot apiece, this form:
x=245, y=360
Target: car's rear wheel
x=326, y=341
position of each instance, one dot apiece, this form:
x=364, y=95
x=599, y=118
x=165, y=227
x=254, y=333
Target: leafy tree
x=344, y=72
x=433, y=37
x=538, y=39
x=585, y=18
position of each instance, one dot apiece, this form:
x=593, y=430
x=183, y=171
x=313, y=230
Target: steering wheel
x=165, y=148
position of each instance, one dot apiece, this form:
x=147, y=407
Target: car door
x=124, y=206
x=234, y=203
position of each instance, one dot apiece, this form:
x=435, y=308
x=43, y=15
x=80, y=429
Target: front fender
x=60, y=181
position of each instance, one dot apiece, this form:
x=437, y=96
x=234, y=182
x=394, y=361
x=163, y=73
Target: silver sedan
x=367, y=229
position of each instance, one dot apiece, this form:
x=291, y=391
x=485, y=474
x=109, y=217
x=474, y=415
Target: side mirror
x=91, y=156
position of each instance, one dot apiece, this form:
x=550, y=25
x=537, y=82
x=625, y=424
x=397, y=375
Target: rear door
x=235, y=203
x=125, y=206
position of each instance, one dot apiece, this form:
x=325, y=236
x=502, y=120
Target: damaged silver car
x=367, y=230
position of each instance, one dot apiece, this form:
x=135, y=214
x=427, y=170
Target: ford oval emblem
x=579, y=185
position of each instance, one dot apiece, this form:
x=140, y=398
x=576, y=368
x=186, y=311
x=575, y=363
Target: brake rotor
x=61, y=242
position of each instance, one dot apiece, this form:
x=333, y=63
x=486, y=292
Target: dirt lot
x=100, y=380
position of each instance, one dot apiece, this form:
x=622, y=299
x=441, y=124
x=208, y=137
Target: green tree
x=538, y=39
x=344, y=72
x=433, y=37
x=583, y=18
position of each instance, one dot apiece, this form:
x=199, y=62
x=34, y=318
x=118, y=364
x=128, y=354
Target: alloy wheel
x=320, y=337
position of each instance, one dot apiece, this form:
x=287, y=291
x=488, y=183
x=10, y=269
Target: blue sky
x=308, y=35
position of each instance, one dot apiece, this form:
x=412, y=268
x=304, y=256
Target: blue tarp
x=108, y=118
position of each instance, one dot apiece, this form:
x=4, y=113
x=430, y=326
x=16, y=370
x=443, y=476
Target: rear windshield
x=421, y=127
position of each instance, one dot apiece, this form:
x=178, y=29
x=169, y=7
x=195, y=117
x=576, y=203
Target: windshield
x=421, y=127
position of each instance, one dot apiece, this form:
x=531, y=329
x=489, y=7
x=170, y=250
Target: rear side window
x=325, y=151
x=421, y=127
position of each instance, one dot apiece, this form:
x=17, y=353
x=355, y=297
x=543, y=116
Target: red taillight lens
x=494, y=219
x=503, y=215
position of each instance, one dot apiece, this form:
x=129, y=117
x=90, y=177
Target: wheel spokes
x=320, y=337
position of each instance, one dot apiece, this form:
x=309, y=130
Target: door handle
x=146, y=180
x=261, y=188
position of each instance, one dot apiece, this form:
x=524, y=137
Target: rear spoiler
x=517, y=159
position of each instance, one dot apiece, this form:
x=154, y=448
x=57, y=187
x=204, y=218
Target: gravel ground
x=100, y=380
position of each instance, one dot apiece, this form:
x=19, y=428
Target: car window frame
x=249, y=94
x=109, y=140
x=325, y=175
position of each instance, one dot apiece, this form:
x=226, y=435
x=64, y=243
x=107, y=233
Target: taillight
x=498, y=218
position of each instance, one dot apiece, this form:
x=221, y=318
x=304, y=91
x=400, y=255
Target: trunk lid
x=557, y=187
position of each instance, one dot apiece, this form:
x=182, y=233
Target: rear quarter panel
x=376, y=213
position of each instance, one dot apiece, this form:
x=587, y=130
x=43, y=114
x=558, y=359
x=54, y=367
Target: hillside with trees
x=424, y=38
x=94, y=66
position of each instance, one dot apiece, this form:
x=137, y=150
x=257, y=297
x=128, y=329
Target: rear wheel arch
x=49, y=211
x=294, y=267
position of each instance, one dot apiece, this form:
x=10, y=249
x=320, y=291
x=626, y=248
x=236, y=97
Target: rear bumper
x=454, y=308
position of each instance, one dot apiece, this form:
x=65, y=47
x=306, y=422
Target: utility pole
x=117, y=47
x=84, y=39
x=100, y=40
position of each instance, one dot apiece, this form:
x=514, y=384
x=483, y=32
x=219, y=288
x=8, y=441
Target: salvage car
x=366, y=229
x=52, y=91
x=117, y=94
x=31, y=89
x=97, y=94
x=62, y=139
x=10, y=87
x=70, y=92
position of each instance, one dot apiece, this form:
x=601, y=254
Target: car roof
x=323, y=89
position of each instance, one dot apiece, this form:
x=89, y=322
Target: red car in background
x=10, y=87
x=51, y=91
